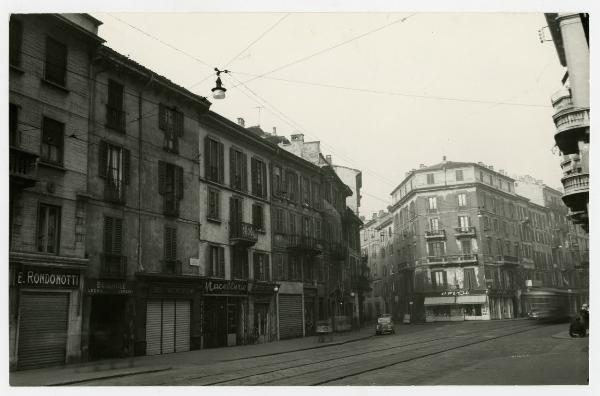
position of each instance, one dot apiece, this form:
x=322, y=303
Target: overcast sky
x=420, y=88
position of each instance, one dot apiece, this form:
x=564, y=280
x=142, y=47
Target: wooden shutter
x=232, y=169
x=244, y=172
x=117, y=236
x=108, y=233
x=126, y=160
x=254, y=173
x=115, y=95
x=162, y=116
x=170, y=243
x=102, y=159
x=178, y=115
x=162, y=177
x=206, y=157
x=179, y=181
x=221, y=162
x=264, y=178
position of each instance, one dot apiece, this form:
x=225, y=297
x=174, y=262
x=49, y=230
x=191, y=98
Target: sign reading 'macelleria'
x=47, y=277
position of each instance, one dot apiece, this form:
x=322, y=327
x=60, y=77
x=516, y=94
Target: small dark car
x=385, y=324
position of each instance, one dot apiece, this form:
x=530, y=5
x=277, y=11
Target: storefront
x=45, y=310
x=503, y=304
x=168, y=314
x=264, y=317
x=310, y=301
x=111, y=318
x=226, y=307
x=456, y=305
x=290, y=316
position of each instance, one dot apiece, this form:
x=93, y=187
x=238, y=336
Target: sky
x=383, y=92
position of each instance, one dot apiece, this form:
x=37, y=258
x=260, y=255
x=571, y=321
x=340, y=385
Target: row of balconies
x=459, y=232
x=572, y=123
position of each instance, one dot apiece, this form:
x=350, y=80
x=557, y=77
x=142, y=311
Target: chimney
x=328, y=159
x=421, y=166
x=297, y=137
x=274, y=131
x=444, y=158
x=241, y=122
x=374, y=216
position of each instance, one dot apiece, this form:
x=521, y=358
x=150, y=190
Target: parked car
x=385, y=324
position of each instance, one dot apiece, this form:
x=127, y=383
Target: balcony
x=572, y=125
x=306, y=244
x=453, y=259
x=242, y=234
x=570, y=163
x=507, y=260
x=580, y=217
x=576, y=191
x=561, y=100
x=114, y=266
x=23, y=167
x=114, y=193
x=464, y=232
x=115, y=119
x=435, y=234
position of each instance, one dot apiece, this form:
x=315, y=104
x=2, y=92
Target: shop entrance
x=109, y=333
x=221, y=321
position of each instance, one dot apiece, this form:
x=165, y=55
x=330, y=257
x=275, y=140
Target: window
x=308, y=270
x=48, y=229
x=170, y=121
x=55, y=65
x=436, y=249
x=495, y=222
x=305, y=191
x=259, y=178
x=280, y=269
x=238, y=170
x=170, y=244
x=13, y=122
x=480, y=176
x=214, y=205
x=113, y=166
x=280, y=221
x=240, y=263
x=295, y=271
x=459, y=175
x=470, y=279
x=462, y=200
x=292, y=185
x=170, y=186
x=489, y=245
x=52, y=141
x=216, y=261
x=486, y=223
x=434, y=224
x=292, y=224
x=258, y=217
x=277, y=181
x=463, y=222
x=115, y=116
x=113, y=234
x=439, y=279
x=16, y=41
x=261, y=267
x=213, y=160
x=316, y=195
x=430, y=178
x=432, y=204
x=465, y=246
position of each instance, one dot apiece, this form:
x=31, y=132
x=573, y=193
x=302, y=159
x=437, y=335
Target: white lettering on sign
x=225, y=286
x=34, y=278
x=455, y=293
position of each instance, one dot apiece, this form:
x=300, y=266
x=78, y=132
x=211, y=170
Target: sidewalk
x=83, y=372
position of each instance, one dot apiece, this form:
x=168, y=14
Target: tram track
x=234, y=378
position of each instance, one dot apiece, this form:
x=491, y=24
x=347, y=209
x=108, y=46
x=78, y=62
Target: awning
x=475, y=299
x=440, y=300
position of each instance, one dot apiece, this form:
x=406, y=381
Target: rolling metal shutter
x=290, y=316
x=153, y=327
x=167, y=326
x=182, y=325
x=43, y=329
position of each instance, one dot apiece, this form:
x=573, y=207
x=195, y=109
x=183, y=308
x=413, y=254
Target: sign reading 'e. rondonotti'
x=47, y=278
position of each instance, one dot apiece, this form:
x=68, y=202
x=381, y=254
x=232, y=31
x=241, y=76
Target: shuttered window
x=16, y=41
x=216, y=259
x=48, y=229
x=294, y=268
x=459, y=175
x=280, y=267
x=170, y=186
x=280, y=221
x=305, y=191
x=292, y=185
x=170, y=243
x=238, y=170
x=261, y=267
x=52, y=141
x=113, y=166
x=316, y=195
x=258, y=217
x=277, y=188
x=113, y=235
x=55, y=65
x=214, y=205
x=240, y=263
x=259, y=178
x=115, y=116
x=214, y=167
x=170, y=121
x=430, y=178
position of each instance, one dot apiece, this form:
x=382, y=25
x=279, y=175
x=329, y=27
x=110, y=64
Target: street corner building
x=142, y=223
x=462, y=241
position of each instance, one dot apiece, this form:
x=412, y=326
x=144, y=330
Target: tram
x=545, y=304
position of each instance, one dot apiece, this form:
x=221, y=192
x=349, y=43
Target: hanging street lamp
x=219, y=90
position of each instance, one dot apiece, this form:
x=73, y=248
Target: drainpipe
x=140, y=158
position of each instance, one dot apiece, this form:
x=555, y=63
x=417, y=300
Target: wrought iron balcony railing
x=241, y=233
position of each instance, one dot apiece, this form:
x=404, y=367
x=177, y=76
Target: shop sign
x=109, y=286
x=47, y=278
x=214, y=286
x=262, y=288
x=163, y=289
x=460, y=292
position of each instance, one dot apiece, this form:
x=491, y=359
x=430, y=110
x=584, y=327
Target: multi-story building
x=465, y=244
x=49, y=93
x=570, y=34
x=143, y=292
x=353, y=179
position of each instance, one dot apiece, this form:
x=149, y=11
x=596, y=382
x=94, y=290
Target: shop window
x=52, y=141
x=170, y=121
x=472, y=309
x=48, y=229
x=55, y=63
